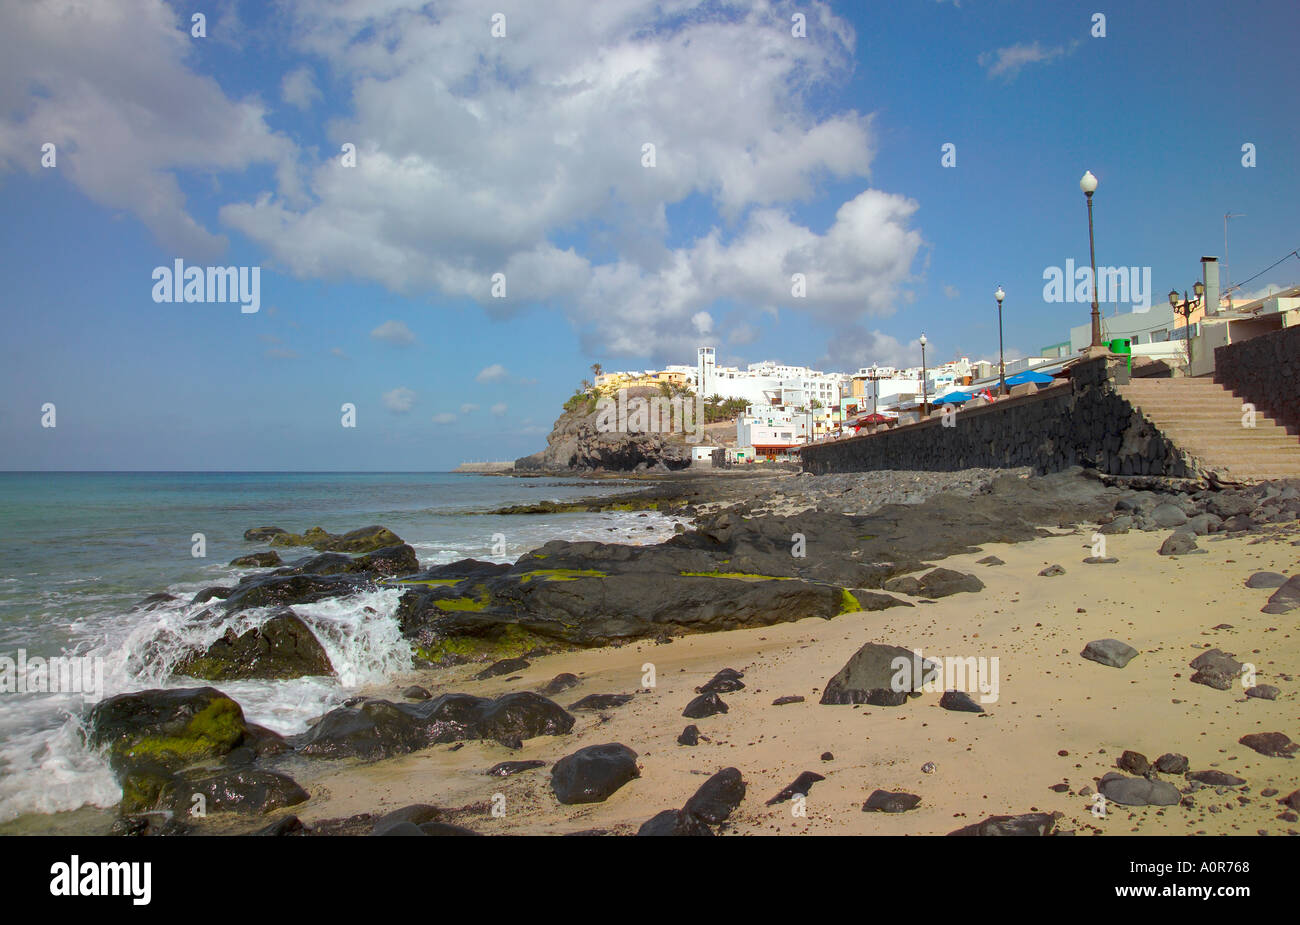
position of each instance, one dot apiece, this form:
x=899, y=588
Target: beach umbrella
x=1029, y=376
x=954, y=398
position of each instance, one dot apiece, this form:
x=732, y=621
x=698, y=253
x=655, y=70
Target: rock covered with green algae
x=151, y=735
x=283, y=647
x=367, y=539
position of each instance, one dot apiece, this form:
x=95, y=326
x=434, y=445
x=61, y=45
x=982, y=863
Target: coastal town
x=789, y=407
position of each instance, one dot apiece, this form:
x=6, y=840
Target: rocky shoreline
x=762, y=553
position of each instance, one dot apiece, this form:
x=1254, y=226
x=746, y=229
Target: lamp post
x=1185, y=308
x=925, y=402
x=1002, y=366
x=1088, y=183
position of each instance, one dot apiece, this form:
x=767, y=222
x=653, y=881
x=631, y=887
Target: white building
x=766, y=383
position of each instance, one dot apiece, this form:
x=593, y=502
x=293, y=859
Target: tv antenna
x=1226, y=288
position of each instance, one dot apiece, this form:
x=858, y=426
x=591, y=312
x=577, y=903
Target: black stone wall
x=1083, y=421
x=1265, y=371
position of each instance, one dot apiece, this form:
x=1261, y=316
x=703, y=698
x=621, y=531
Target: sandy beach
x=1059, y=719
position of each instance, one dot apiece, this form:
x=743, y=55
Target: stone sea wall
x=1082, y=421
x=1265, y=371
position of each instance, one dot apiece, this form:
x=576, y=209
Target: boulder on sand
x=880, y=675
x=1024, y=824
x=592, y=774
x=1286, y=598
x=1109, y=652
x=1138, y=791
x=243, y=791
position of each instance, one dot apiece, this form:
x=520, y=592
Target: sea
x=80, y=551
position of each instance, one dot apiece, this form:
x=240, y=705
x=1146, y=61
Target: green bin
x=1122, y=345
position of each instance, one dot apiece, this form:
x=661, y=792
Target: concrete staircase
x=1205, y=419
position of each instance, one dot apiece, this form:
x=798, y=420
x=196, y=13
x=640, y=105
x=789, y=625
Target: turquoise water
x=78, y=551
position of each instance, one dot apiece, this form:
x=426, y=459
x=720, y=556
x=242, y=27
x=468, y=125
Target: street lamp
x=1088, y=183
x=1002, y=366
x=1185, y=308
x=924, y=397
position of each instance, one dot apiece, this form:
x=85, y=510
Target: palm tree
x=597, y=369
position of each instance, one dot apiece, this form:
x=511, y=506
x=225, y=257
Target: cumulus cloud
x=951, y=292
x=479, y=156
x=500, y=409
x=468, y=408
x=1007, y=62
x=494, y=373
x=394, y=332
x=111, y=85
x=475, y=155
x=444, y=417
x=399, y=400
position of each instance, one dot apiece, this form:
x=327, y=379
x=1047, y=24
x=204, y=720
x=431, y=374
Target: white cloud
x=394, y=332
x=951, y=292
x=474, y=153
x=1007, y=62
x=299, y=88
x=500, y=409
x=110, y=85
x=468, y=408
x=399, y=399
x=494, y=373
x=338, y=352
x=444, y=417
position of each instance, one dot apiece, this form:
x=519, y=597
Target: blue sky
x=523, y=154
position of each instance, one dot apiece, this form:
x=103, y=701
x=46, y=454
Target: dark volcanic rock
x=282, y=647
x=261, y=534
x=1024, y=824
x=789, y=698
x=1051, y=571
x=1138, y=791
x=885, y=801
x=416, y=692
x=989, y=560
x=1263, y=692
x=724, y=682
x=1286, y=598
x=1215, y=669
x=257, y=560
x=1171, y=763
x=1109, y=652
x=799, y=787
x=504, y=666
x=1133, y=763
x=869, y=677
x=1272, y=744
x=717, y=797
x=689, y=736
x=559, y=684
x=940, y=582
x=507, y=768
x=1214, y=778
x=960, y=701
x=1179, y=544
x=377, y=728
x=674, y=822
x=592, y=774
x=283, y=590
x=243, y=791
x=367, y=539
x=601, y=702
x=150, y=735
x=704, y=705
x=1266, y=580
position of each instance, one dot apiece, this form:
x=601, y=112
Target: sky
x=456, y=208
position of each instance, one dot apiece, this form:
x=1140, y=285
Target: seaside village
x=787, y=407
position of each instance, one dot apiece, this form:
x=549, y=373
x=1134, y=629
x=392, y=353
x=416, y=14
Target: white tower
x=704, y=372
